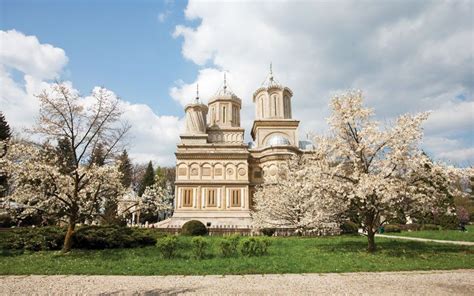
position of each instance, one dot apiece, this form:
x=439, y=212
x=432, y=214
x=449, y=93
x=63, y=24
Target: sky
x=406, y=57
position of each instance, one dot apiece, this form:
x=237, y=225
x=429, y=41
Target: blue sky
x=406, y=57
x=121, y=45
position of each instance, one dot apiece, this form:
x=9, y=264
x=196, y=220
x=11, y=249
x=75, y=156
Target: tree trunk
x=371, y=239
x=68, y=239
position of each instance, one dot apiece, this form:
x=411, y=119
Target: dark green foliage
x=429, y=227
x=229, y=245
x=199, y=247
x=5, y=132
x=349, y=227
x=168, y=246
x=126, y=169
x=34, y=239
x=109, y=237
x=165, y=176
x=98, y=155
x=193, y=227
x=148, y=179
x=65, y=154
x=254, y=246
x=268, y=231
x=392, y=228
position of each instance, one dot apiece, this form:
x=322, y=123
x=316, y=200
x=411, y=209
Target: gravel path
x=461, y=243
x=458, y=282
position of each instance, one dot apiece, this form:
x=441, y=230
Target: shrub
x=199, y=246
x=228, y=246
x=34, y=239
x=253, y=246
x=268, y=231
x=194, y=228
x=349, y=227
x=410, y=227
x=392, y=228
x=168, y=246
x=429, y=227
x=110, y=237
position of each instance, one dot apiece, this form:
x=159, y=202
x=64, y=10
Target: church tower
x=273, y=125
x=224, y=119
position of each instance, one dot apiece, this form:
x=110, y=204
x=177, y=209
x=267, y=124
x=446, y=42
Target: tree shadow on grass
x=396, y=248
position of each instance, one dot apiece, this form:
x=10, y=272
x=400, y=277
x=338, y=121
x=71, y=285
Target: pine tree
x=148, y=179
x=126, y=169
x=65, y=156
x=5, y=134
x=98, y=155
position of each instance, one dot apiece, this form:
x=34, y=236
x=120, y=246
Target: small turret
x=272, y=100
x=196, y=114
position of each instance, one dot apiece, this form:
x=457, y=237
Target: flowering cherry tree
x=155, y=199
x=299, y=197
x=62, y=180
x=383, y=169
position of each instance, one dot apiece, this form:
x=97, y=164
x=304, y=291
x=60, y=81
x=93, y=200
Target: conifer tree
x=126, y=169
x=148, y=179
x=5, y=134
x=98, y=155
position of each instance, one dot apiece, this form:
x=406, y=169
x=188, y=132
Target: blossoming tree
x=299, y=197
x=62, y=181
x=383, y=169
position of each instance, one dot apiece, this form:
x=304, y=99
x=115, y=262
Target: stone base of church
x=213, y=219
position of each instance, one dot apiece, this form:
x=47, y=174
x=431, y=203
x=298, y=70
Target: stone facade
x=216, y=172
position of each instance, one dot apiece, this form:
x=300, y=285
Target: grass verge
x=453, y=235
x=286, y=255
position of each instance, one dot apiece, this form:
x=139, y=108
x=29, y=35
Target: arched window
x=275, y=113
x=223, y=114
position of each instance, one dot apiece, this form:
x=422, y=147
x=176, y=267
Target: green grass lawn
x=286, y=255
x=454, y=235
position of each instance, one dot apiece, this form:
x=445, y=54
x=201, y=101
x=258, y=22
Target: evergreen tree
x=126, y=169
x=65, y=156
x=148, y=179
x=98, y=155
x=5, y=134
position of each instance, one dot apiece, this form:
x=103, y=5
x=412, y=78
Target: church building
x=216, y=171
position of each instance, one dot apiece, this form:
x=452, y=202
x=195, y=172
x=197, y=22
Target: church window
x=187, y=197
x=224, y=114
x=211, y=197
x=235, y=197
x=275, y=106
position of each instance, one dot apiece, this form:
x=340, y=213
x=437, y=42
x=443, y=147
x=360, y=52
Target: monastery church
x=216, y=172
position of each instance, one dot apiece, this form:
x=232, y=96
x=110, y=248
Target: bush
x=111, y=237
x=429, y=227
x=199, y=246
x=392, y=228
x=349, y=227
x=253, y=246
x=410, y=227
x=193, y=228
x=34, y=239
x=268, y=231
x=228, y=246
x=168, y=246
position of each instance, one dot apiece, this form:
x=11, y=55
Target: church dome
x=278, y=140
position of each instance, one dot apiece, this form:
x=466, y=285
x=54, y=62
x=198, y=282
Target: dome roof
x=278, y=140
x=252, y=145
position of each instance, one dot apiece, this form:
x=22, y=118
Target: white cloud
x=406, y=57
x=152, y=137
x=28, y=55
